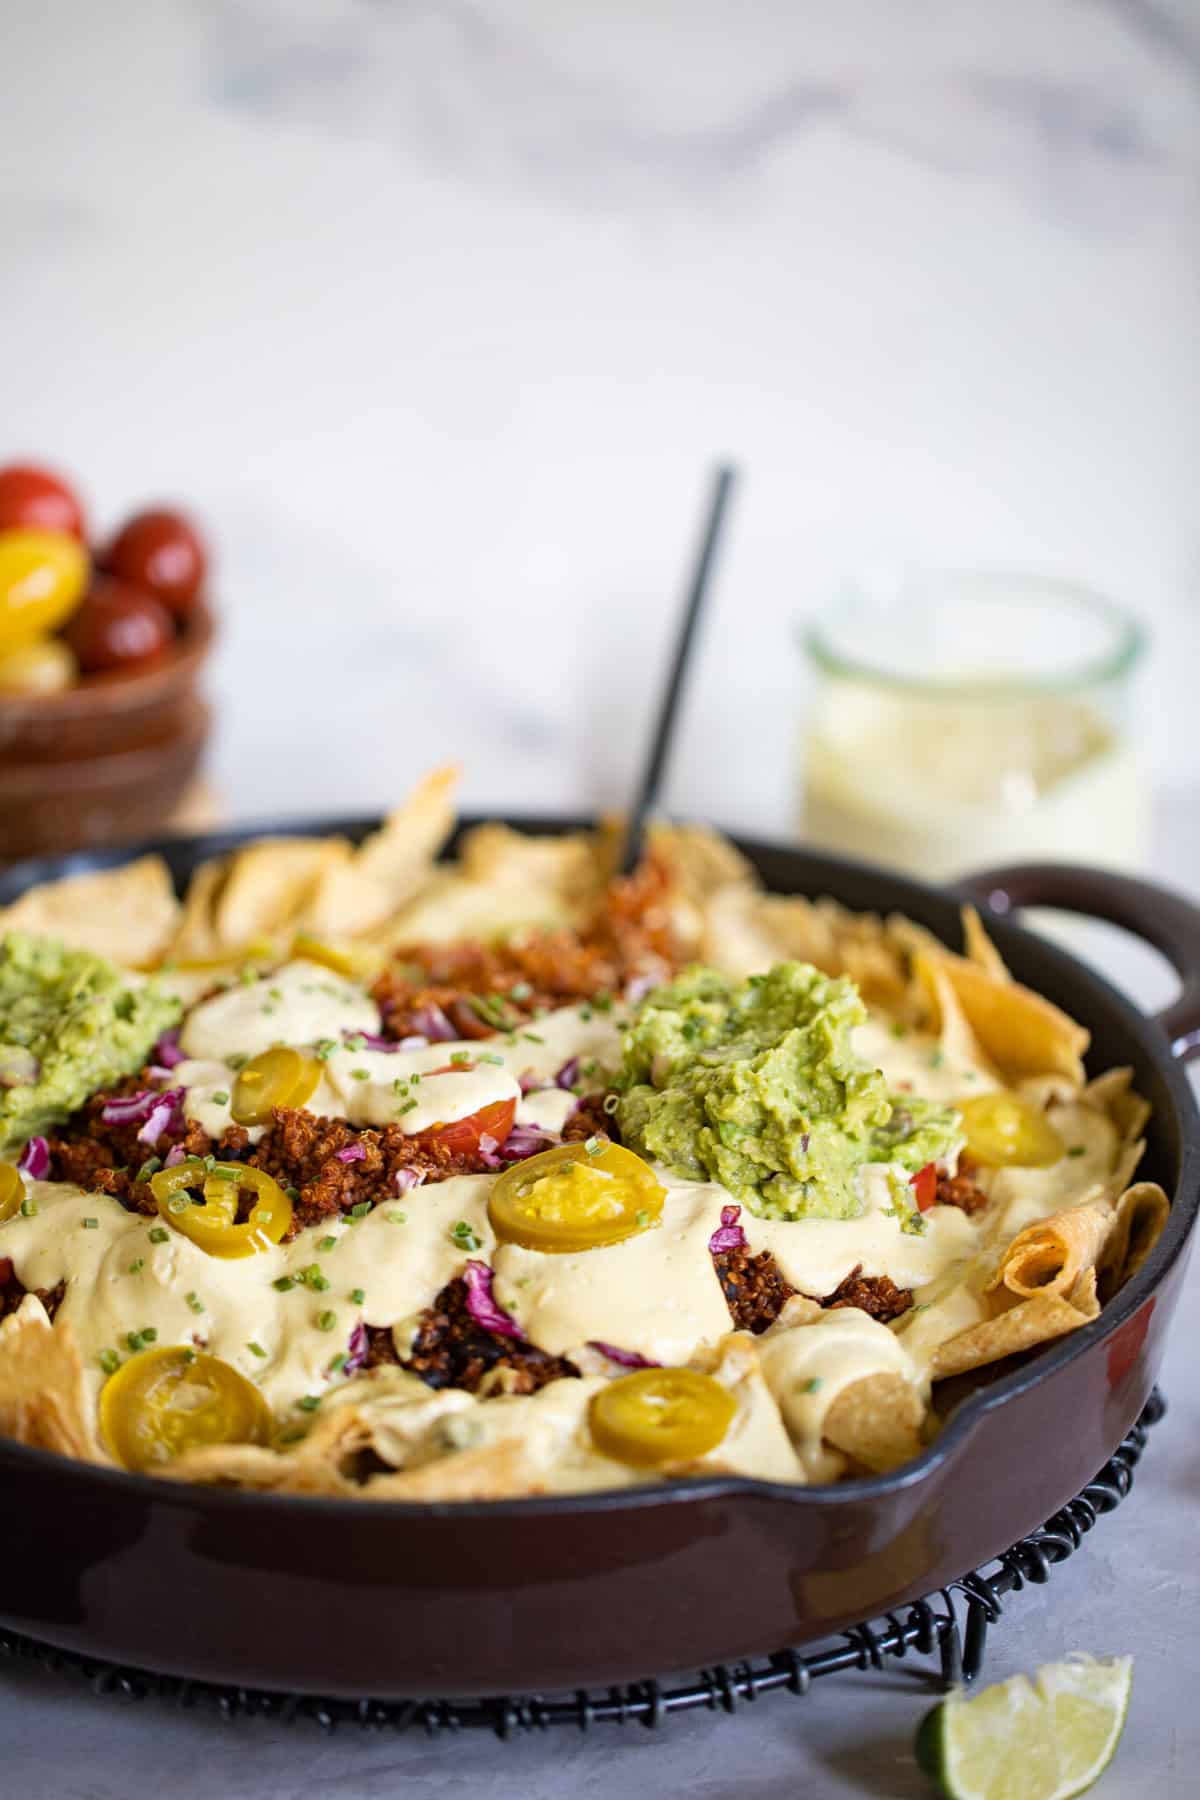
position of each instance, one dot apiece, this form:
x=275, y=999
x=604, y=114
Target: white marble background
x=436, y=310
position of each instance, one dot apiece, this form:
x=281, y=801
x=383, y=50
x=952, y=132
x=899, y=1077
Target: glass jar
x=963, y=720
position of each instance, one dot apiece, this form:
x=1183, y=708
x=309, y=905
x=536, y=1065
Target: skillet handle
x=1162, y=918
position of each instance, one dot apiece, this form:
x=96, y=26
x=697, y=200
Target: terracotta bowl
x=108, y=714
x=52, y=806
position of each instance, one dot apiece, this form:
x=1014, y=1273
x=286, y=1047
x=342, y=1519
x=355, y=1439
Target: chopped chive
x=255, y=1349
x=28, y=1207
x=611, y=1103
x=360, y=1210
x=319, y=1284
x=1077, y=1150
x=91, y=1224
x=356, y=1042
x=899, y=1029
x=328, y=1243
x=643, y=1217
x=159, y=1234
x=109, y=1361
x=309, y=1402
x=324, y=1048
x=602, y=1002
x=178, y=1203
x=358, y=1295
x=811, y=1385
x=397, y=1217
x=194, y=1301
x=361, y=1074
x=237, y=1062
x=593, y=1145
x=283, y=1284
x=531, y=1037
x=137, y=1265
x=937, y=1058
x=150, y=1167
x=458, y=1057
x=149, y=1334
x=220, y=1097
x=409, y=1106
x=133, y=1339
x=326, y=1321
x=464, y=1236
x=491, y=1057
x=585, y=1013
x=338, y=1362
x=292, y=1193
x=400, y=1086
x=188, y=1354
x=520, y=990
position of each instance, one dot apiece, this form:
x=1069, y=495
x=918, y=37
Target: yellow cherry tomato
x=167, y=1400
x=1003, y=1129
x=43, y=666
x=12, y=1191
x=213, y=1225
x=660, y=1416
x=278, y=1077
x=42, y=578
x=570, y=1198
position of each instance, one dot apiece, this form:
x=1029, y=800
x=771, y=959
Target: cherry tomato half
x=162, y=553
x=924, y=1186
x=38, y=500
x=277, y=1077
x=170, y=1399
x=12, y=1191
x=660, y=1416
x=461, y=1136
x=573, y=1198
x=118, y=627
x=213, y=1226
x=42, y=575
x=1002, y=1130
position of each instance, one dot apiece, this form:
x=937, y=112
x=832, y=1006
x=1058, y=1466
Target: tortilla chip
x=43, y=1396
x=269, y=885
x=1051, y=1256
x=129, y=914
x=979, y=948
x=195, y=939
x=359, y=894
x=497, y=1471
x=877, y=1421
x=1022, y=1033
x=1114, y=1094
x=319, y=1463
x=954, y=1032
x=1023, y=1327
x=1141, y=1213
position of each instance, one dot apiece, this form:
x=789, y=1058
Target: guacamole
x=70, y=1023
x=757, y=1085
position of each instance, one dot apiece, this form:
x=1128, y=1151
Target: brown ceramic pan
x=393, y=1600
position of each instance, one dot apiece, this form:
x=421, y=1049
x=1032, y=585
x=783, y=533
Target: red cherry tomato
x=163, y=553
x=118, y=627
x=924, y=1186
x=35, y=500
x=461, y=1136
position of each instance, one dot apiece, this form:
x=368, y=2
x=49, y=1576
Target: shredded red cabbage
x=628, y=1359
x=359, y=1345
x=729, y=1234
x=371, y=1040
x=568, y=1075
x=167, y=1051
x=175, y=1155
x=523, y=1141
x=408, y=1178
x=481, y=1306
x=529, y=1083
x=130, y=1109
x=35, y=1159
x=638, y=988
x=163, y=1116
x=432, y=1022
x=488, y=1148
x=351, y=1153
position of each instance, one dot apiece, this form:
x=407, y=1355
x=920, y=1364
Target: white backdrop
x=436, y=310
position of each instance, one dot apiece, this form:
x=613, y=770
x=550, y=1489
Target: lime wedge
x=1044, y=1739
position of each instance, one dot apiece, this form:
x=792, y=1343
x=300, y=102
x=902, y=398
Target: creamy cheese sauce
x=807, y=1367
x=916, y=1063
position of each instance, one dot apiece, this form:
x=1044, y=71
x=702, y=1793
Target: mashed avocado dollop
x=757, y=1085
x=70, y=1023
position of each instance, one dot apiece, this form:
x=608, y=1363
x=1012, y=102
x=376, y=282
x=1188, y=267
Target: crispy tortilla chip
x=195, y=939
x=877, y=1421
x=362, y=892
x=128, y=914
x=1114, y=1094
x=317, y=1464
x=1022, y=1033
x=269, y=886
x=43, y=1397
x=978, y=946
x=497, y=1471
x=1141, y=1213
x=1051, y=1256
x=1023, y=1327
x=957, y=1038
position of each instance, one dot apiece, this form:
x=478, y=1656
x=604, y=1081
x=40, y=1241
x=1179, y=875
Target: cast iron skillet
x=394, y=1600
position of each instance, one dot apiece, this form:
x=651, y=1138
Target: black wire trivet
x=930, y=1627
